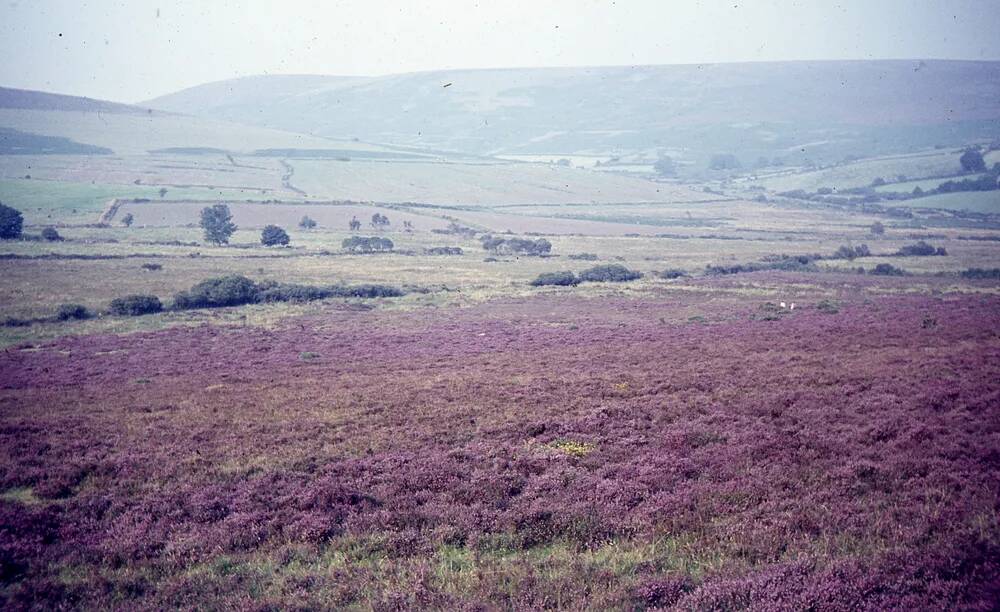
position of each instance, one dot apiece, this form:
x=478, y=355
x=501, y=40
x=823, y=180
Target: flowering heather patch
x=547, y=452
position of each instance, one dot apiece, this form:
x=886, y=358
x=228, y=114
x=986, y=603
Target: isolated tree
x=972, y=161
x=127, y=220
x=307, y=223
x=217, y=222
x=665, y=166
x=355, y=224
x=877, y=228
x=163, y=191
x=11, y=222
x=274, y=236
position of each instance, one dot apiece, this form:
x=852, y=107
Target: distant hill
x=40, y=122
x=794, y=110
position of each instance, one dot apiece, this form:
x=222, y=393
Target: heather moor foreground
x=700, y=447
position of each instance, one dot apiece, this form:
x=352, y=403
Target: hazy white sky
x=136, y=49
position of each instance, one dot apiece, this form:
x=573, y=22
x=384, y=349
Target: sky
x=129, y=51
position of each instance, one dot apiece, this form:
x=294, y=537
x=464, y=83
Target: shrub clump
x=232, y=290
x=361, y=244
x=848, y=252
x=50, y=234
x=272, y=235
x=920, y=249
x=307, y=223
x=153, y=267
x=444, y=250
x=72, y=311
x=135, y=305
x=366, y=291
x=283, y=292
x=584, y=256
x=515, y=246
x=672, y=273
x=987, y=273
x=611, y=273
x=884, y=269
x=563, y=279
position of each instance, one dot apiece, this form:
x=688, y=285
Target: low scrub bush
x=233, y=290
x=16, y=322
x=366, y=291
x=611, y=273
x=72, y=311
x=920, y=249
x=584, y=256
x=135, y=305
x=884, y=269
x=987, y=273
x=564, y=279
x=444, y=250
x=152, y=266
x=291, y=293
x=50, y=234
x=671, y=273
x=848, y=252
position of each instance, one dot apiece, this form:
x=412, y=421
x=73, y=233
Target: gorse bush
x=233, y=290
x=610, y=273
x=884, y=269
x=444, y=250
x=564, y=279
x=153, y=267
x=672, y=273
x=920, y=249
x=849, y=252
x=135, y=305
x=72, y=311
x=237, y=290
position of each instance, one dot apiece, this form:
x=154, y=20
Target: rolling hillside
x=822, y=111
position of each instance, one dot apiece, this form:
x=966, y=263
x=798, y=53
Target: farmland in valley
x=515, y=382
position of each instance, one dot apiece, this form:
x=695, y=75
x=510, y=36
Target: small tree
x=665, y=166
x=217, y=222
x=127, y=220
x=163, y=191
x=11, y=222
x=355, y=224
x=274, y=236
x=972, y=161
x=307, y=223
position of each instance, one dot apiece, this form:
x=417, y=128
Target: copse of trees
x=515, y=246
x=372, y=244
x=272, y=235
x=972, y=161
x=379, y=220
x=217, y=222
x=11, y=222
